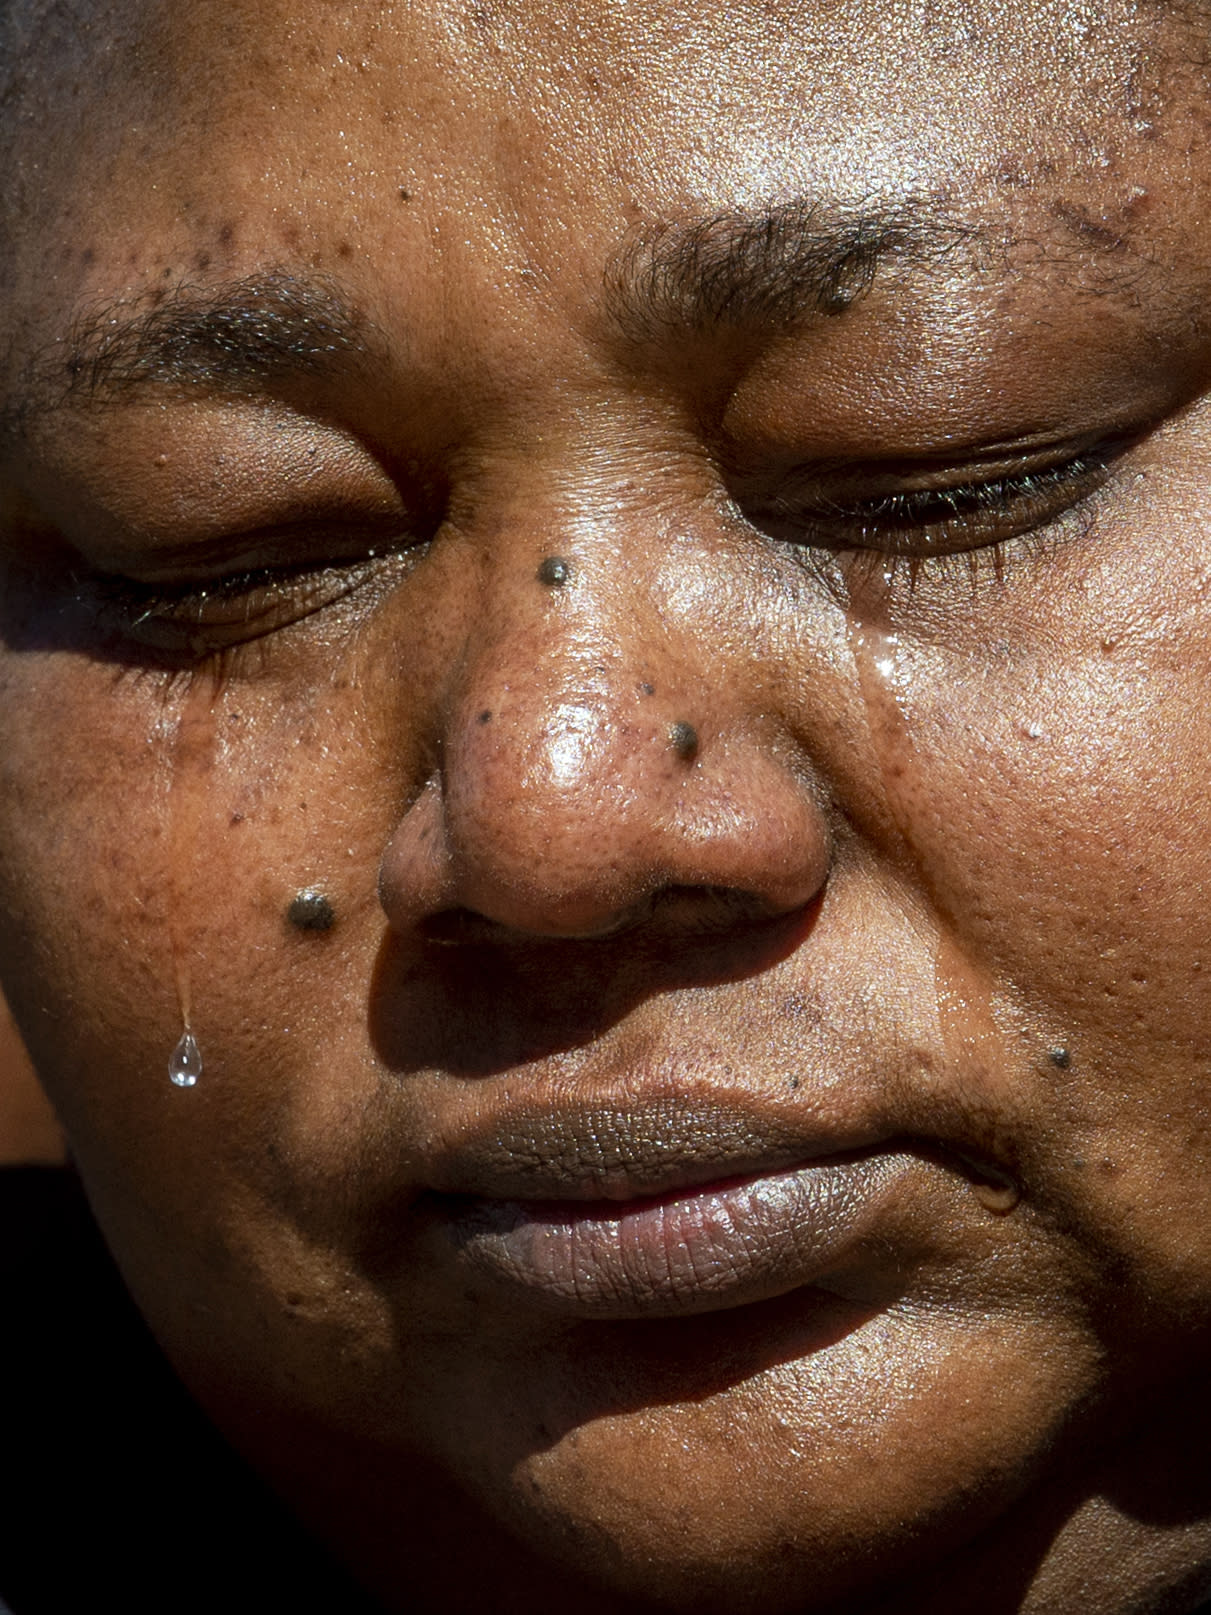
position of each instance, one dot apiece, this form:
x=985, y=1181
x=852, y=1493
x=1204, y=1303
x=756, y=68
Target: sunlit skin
x=29, y=1133
x=688, y=527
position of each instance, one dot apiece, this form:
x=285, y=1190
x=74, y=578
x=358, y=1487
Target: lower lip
x=700, y=1250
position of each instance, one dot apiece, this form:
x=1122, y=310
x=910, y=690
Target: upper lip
x=633, y=1148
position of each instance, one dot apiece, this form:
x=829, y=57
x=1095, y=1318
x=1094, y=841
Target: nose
x=595, y=764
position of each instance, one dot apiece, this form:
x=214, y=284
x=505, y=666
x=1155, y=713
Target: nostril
x=458, y=927
x=466, y=927
x=701, y=911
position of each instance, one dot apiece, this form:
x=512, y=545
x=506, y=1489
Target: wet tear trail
x=970, y=1040
x=192, y=761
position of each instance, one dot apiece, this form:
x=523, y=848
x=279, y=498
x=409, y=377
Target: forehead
x=650, y=104
x=526, y=142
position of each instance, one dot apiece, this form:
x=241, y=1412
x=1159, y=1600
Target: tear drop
x=185, y=1066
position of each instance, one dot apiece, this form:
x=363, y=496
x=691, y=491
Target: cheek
x=1065, y=832
x=85, y=860
x=1057, y=804
x=154, y=837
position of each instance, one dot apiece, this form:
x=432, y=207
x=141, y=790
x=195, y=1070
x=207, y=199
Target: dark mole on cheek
x=1061, y=1059
x=484, y=717
x=311, y=911
x=554, y=572
x=683, y=738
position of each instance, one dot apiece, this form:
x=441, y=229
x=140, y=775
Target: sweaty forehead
x=245, y=133
x=889, y=94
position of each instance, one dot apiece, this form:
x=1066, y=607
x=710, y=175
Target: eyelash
x=172, y=620
x=912, y=509
x=929, y=533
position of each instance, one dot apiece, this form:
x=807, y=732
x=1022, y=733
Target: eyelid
x=960, y=468
x=183, y=479
x=973, y=498
x=280, y=548
x=837, y=498
x=191, y=620
x=955, y=557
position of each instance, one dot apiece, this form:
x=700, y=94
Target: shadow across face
x=472, y=1000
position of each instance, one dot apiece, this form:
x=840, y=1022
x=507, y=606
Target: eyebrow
x=234, y=337
x=774, y=266
x=727, y=270
x=276, y=327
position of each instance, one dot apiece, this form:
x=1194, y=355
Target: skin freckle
x=1080, y=221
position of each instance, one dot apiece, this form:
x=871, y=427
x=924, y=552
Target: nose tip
x=567, y=820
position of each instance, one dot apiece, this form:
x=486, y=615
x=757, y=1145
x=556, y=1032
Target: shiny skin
x=29, y=1133
x=940, y=823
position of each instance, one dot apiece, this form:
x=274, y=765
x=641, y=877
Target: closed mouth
x=673, y=1193
x=703, y=1248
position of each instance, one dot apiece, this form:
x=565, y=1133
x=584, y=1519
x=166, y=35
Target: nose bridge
x=573, y=636
x=570, y=694
x=590, y=754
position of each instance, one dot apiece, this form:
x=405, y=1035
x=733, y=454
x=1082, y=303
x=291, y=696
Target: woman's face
x=686, y=531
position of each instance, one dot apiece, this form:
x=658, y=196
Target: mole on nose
x=555, y=571
x=683, y=738
x=310, y=910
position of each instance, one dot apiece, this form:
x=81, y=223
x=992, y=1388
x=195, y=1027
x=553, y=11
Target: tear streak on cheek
x=191, y=762
x=971, y=1045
